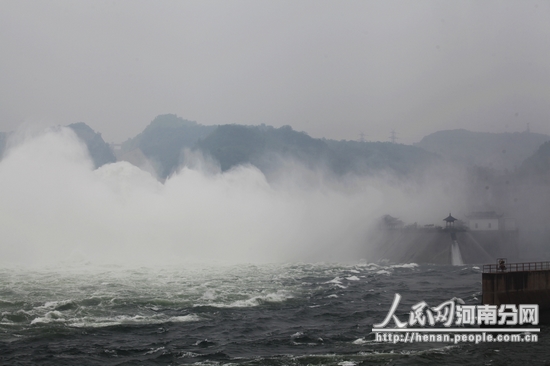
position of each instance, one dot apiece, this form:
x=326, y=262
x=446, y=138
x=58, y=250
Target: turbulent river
x=285, y=314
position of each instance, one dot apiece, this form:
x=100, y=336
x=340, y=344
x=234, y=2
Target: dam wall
x=406, y=246
x=435, y=245
x=519, y=283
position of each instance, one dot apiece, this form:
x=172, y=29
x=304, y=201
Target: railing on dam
x=516, y=267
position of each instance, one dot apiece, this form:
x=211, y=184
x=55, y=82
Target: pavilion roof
x=449, y=218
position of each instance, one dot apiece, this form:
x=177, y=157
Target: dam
x=484, y=237
x=517, y=283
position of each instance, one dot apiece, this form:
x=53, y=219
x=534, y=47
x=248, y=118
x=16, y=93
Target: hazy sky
x=333, y=69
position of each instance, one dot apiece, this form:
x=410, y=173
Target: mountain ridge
x=497, y=150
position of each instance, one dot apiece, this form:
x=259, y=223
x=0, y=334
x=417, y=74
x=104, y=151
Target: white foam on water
x=347, y=363
x=406, y=265
x=209, y=295
x=277, y=297
x=50, y=317
x=101, y=322
x=368, y=265
x=153, y=350
x=335, y=280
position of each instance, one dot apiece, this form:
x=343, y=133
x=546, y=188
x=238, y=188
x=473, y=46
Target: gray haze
x=56, y=208
x=332, y=69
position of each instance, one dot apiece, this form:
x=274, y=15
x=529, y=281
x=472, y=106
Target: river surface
x=270, y=314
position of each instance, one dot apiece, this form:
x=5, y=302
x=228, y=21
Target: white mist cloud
x=55, y=208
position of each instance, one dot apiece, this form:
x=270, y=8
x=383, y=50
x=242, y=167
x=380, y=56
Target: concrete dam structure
x=517, y=283
x=443, y=245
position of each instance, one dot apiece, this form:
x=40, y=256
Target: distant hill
x=364, y=157
x=163, y=140
x=99, y=150
x=264, y=146
x=160, y=147
x=495, y=150
x=537, y=166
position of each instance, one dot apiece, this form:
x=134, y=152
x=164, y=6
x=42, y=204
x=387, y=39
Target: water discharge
x=456, y=256
x=56, y=208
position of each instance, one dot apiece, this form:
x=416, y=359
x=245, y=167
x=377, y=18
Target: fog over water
x=56, y=208
x=252, y=182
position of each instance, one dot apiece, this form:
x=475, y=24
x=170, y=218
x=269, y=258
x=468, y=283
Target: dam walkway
x=517, y=283
x=516, y=267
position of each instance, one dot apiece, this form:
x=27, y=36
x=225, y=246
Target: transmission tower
x=361, y=137
x=393, y=136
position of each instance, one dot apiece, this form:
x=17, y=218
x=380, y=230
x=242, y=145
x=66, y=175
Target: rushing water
x=292, y=314
x=456, y=255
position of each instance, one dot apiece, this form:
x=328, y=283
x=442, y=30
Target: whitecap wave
x=101, y=322
x=253, y=301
